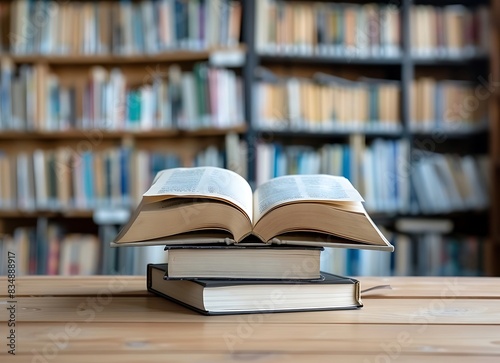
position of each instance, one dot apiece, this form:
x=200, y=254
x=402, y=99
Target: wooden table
x=114, y=319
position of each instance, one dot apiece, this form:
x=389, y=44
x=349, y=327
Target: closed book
x=223, y=297
x=243, y=261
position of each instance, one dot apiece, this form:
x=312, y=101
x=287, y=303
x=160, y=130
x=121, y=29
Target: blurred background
x=400, y=96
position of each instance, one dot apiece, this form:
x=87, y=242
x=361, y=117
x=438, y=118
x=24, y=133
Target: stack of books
x=232, y=250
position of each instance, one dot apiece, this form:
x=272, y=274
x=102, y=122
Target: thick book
x=214, y=205
x=243, y=261
x=219, y=297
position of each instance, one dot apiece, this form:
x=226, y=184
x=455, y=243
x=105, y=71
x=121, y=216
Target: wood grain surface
x=115, y=319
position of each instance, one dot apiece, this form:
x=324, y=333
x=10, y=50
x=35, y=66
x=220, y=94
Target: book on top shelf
x=216, y=297
x=242, y=261
x=215, y=205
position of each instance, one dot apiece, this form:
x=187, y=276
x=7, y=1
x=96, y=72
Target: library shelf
x=104, y=134
x=328, y=59
x=117, y=59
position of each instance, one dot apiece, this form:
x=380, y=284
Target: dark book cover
x=327, y=278
x=242, y=245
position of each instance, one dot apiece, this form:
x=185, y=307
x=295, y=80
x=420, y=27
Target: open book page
x=203, y=182
x=293, y=188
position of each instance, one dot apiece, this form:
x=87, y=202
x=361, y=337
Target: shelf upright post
x=407, y=67
x=407, y=75
x=248, y=36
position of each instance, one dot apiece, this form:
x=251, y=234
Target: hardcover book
x=220, y=297
x=214, y=205
x=243, y=261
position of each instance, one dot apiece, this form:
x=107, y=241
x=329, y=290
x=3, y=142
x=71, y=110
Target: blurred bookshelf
x=493, y=251
x=384, y=93
x=95, y=98
x=395, y=96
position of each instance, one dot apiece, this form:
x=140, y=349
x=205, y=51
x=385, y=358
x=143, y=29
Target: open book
x=214, y=205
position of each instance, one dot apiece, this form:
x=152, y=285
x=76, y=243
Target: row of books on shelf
x=325, y=102
x=48, y=249
x=445, y=183
x=428, y=254
x=448, y=104
x=53, y=254
x=434, y=254
x=340, y=29
x=369, y=30
x=452, y=30
x=337, y=29
x=34, y=98
x=382, y=172
x=120, y=28
x=63, y=179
